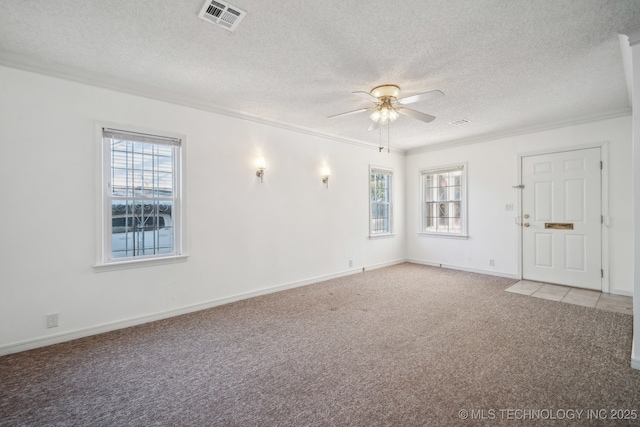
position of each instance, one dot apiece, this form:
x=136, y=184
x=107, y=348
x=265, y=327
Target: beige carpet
x=401, y=346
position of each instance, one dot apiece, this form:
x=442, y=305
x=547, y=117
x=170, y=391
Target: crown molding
x=104, y=81
x=633, y=34
x=627, y=64
x=51, y=69
x=612, y=114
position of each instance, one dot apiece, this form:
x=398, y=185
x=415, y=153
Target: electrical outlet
x=350, y=263
x=492, y=262
x=52, y=320
x=508, y=207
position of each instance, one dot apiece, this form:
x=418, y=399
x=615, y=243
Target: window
x=141, y=189
x=381, y=207
x=444, y=201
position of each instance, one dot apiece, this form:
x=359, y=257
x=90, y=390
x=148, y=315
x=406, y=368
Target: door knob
x=526, y=224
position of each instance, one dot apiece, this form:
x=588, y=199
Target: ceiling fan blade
x=367, y=96
x=421, y=97
x=362, y=110
x=373, y=126
x=416, y=114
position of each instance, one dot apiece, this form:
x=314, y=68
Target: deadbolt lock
x=526, y=215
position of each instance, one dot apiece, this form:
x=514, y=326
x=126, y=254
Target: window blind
x=140, y=137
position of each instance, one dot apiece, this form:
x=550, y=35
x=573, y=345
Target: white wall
x=633, y=35
x=492, y=171
x=244, y=237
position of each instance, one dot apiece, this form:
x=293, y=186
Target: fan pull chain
x=389, y=137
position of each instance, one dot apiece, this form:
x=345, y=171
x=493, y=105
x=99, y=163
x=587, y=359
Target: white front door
x=561, y=218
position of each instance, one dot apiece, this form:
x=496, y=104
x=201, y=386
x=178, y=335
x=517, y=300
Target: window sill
x=136, y=263
x=445, y=236
x=381, y=236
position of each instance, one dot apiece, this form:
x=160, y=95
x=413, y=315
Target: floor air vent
x=221, y=14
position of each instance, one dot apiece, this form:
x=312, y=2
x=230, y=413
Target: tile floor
x=584, y=297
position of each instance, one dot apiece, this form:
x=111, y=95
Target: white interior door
x=561, y=218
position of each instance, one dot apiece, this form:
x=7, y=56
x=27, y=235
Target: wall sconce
x=261, y=166
x=326, y=172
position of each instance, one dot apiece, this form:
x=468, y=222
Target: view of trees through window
x=380, y=221
x=443, y=201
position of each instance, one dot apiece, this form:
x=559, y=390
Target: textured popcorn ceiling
x=504, y=65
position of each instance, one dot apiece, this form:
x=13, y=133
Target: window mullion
x=381, y=201
x=443, y=200
x=145, y=211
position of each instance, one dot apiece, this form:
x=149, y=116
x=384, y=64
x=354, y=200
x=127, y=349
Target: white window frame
x=463, y=201
x=104, y=258
x=390, y=231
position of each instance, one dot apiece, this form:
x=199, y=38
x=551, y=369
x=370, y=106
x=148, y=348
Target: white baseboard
x=496, y=273
x=618, y=292
x=384, y=264
x=470, y=270
x=635, y=361
x=139, y=320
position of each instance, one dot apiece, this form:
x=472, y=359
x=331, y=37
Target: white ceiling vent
x=460, y=122
x=221, y=14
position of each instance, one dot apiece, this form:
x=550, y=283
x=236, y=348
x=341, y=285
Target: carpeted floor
x=407, y=345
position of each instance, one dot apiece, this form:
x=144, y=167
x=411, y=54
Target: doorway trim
x=604, y=202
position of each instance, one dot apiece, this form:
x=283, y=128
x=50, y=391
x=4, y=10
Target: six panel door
x=561, y=217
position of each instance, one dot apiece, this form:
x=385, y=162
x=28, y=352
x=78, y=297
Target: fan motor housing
x=385, y=91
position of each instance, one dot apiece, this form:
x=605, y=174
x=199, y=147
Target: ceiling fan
x=388, y=105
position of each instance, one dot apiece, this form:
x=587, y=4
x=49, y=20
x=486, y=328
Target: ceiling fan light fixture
x=384, y=114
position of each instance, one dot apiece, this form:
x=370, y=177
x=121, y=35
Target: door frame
x=604, y=202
